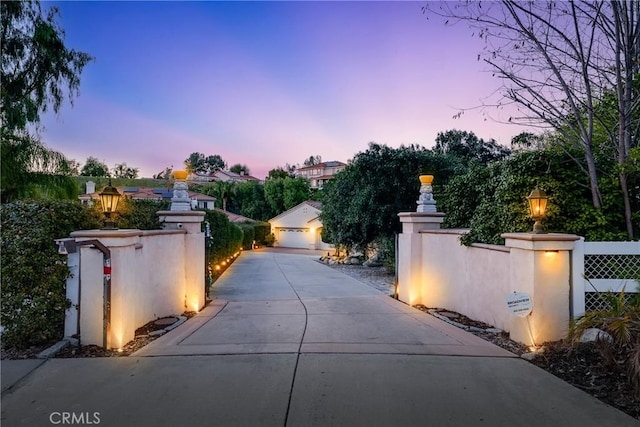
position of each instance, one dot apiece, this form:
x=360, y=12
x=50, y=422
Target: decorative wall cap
x=540, y=242
x=457, y=231
x=106, y=233
x=162, y=232
x=531, y=237
x=180, y=213
x=421, y=216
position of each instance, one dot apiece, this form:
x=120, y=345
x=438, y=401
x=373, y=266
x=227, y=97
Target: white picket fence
x=600, y=267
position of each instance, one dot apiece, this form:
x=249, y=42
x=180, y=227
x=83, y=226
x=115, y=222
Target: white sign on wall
x=519, y=304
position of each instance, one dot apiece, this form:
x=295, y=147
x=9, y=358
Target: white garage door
x=294, y=238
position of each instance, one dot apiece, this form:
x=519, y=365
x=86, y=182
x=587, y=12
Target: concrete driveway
x=291, y=342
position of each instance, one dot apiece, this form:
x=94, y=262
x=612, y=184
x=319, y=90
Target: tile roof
x=149, y=193
x=331, y=164
x=235, y=217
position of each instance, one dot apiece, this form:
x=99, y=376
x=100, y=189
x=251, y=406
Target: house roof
x=313, y=203
x=316, y=204
x=236, y=176
x=234, y=217
x=331, y=164
x=231, y=176
x=150, y=193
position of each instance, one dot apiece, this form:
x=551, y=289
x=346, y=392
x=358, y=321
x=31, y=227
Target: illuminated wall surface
x=153, y=274
x=437, y=271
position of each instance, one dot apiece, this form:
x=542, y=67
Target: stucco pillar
x=540, y=265
x=89, y=285
x=191, y=223
x=410, y=274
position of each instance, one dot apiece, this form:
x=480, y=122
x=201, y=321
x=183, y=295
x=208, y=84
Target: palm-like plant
x=620, y=318
x=31, y=169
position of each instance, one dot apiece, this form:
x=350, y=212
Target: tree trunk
x=626, y=23
x=596, y=197
x=627, y=204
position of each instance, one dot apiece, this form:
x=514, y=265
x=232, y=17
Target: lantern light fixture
x=537, y=207
x=109, y=196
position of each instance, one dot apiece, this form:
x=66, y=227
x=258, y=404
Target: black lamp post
x=538, y=207
x=110, y=196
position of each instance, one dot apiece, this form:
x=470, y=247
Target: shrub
x=140, y=214
x=248, y=235
x=492, y=200
x=226, y=237
x=620, y=318
x=263, y=234
x=33, y=274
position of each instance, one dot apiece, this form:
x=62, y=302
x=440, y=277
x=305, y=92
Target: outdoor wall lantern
x=538, y=206
x=109, y=198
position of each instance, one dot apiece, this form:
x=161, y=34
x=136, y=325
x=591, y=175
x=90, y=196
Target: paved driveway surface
x=291, y=342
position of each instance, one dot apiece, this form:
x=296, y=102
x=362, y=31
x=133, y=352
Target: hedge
x=263, y=234
x=226, y=237
x=33, y=274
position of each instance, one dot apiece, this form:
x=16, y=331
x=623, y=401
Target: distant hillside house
x=222, y=176
x=319, y=174
x=201, y=201
x=299, y=227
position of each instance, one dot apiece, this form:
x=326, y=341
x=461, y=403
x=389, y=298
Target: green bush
x=226, y=237
x=140, y=214
x=33, y=274
x=262, y=232
x=248, y=235
x=619, y=317
x=492, y=200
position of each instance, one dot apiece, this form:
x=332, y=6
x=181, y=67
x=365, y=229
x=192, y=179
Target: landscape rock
x=593, y=334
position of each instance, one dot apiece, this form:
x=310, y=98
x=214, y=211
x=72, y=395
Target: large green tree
x=249, y=201
x=223, y=191
x=121, y=170
x=29, y=169
x=94, y=167
x=199, y=163
x=312, y=160
x=361, y=203
x=240, y=169
x=282, y=194
x=467, y=149
x=38, y=72
x=278, y=172
x=492, y=200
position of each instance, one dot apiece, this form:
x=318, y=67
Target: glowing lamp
x=537, y=207
x=110, y=196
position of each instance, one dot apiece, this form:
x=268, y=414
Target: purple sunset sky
x=265, y=83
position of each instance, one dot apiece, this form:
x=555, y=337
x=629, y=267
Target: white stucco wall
x=469, y=280
x=436, y=270
x=153, y=274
